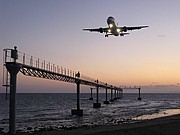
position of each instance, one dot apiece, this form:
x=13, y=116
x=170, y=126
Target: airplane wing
x=132, y=28
x=101, y=30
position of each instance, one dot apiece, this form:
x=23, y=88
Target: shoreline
x=168, y=125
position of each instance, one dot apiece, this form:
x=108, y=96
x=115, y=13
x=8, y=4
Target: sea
x=40, y=111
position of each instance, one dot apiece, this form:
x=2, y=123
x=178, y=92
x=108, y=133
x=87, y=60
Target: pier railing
x=38, y=63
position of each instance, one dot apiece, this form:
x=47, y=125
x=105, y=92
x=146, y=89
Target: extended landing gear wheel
x=106, y=35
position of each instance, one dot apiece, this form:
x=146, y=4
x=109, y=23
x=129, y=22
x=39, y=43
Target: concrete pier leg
x=106, y=102
x=91, y=98
x=111, y=100
x=97, y=104
x=139, y=98
x=122, y=93
x=13, y=68
x=118, y=94
x=77, y=111
x=115, y=98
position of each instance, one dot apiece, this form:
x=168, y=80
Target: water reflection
x=163, y=113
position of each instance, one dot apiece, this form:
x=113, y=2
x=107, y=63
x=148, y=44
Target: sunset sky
x=52, y=30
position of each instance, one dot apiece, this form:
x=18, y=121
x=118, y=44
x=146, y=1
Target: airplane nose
x=111, y=18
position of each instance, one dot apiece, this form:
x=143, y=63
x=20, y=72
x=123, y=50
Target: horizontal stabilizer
x=122, y=34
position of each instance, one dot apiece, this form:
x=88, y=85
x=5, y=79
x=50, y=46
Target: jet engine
x=101, y=30
x=121, y=34
x=125, y=29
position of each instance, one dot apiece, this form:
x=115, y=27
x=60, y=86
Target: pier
x=17, y=62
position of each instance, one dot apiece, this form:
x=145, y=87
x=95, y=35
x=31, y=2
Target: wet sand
x=169, y=125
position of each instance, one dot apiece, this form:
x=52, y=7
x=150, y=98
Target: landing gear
x=106, y=35
x=121, y=34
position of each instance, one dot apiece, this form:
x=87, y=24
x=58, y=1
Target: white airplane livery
x=113, y=28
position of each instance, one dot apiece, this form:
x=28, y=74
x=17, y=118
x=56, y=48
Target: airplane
x=113, y=28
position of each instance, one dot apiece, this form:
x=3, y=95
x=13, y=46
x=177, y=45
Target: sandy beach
x=169, y=125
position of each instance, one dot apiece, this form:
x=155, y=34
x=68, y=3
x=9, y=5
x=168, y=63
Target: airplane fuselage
x=113, y=27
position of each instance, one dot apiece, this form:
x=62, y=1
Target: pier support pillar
x=106, y=102
x=91, y=98
x=118, y=94
x=97, y=104
x=122, y=93
x=77, y=111
x=115, y=98
x=111, y=100
x=139, y=98
x=13, y=69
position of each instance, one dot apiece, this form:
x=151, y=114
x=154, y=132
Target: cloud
x=161, y=88
x=162, y=36
x=162, y=85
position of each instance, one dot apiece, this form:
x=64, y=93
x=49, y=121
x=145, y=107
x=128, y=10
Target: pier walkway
x=15, y=62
